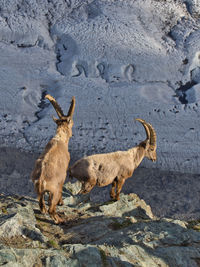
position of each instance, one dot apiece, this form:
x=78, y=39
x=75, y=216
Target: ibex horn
x=153, y=135
x=72, y=107
x=145, y=127
x=55, y=105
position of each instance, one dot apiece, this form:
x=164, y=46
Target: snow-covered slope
x=120, y=59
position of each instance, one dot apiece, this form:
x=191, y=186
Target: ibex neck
x=62, y=135
x=138, y=154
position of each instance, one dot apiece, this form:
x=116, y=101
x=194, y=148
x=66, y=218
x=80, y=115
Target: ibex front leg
x=60, y=202
x=112, y=191
x=42, y=204
x=120, y=182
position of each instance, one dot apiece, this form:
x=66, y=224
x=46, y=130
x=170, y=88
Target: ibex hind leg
x=52, y=209
x=87, y=186
x=50, y=198
x=42, y=203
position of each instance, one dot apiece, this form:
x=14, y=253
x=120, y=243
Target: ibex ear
x=55, y=119
x=147, y=143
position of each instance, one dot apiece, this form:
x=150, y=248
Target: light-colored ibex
x=51, y=167
x=115, y=167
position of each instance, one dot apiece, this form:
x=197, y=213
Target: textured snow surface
x=120, y=59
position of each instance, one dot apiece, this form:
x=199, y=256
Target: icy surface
x=120, y=59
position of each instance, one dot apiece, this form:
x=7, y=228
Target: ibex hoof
x=43, y=210
x=82, y=192
x=58, y=220
x=61, y=203
x=112, y=196
x=117, y=198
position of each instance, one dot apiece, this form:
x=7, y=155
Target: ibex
x=115, y=167
x=51, y=167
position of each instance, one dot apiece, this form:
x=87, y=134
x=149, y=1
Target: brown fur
x=111, y=168
x=50, y=168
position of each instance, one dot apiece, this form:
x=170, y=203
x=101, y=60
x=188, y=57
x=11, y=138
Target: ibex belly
x=105, y=180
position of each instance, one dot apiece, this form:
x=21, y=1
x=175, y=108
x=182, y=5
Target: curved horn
x=55, y=105
x=153, y=135
x=72, y=107
x=145, y=127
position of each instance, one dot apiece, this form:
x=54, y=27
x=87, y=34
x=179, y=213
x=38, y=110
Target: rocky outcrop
x=123, y=233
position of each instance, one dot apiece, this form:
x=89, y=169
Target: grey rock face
x=130, y=64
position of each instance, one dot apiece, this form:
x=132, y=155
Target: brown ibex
x=51, y=167
x=115, y=167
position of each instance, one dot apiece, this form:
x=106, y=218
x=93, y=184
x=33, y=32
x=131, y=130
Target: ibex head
x=150, y=149
x=64, y=121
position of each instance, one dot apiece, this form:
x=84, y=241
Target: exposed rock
x=17, y=219
x=33, y=257
x=122, y=233
x=125, y=208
